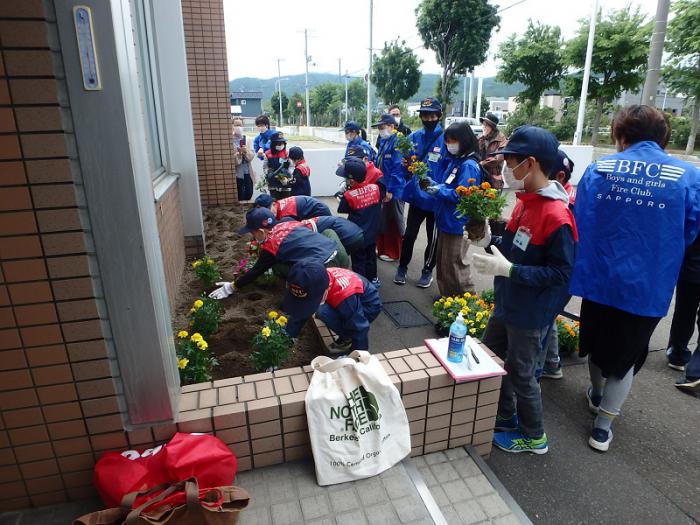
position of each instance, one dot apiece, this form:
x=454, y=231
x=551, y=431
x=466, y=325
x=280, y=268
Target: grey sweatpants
x=453, y=273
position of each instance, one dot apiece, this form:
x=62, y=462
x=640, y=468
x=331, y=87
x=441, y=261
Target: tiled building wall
x=172, y=246
x=205, y=40
x=58, y=404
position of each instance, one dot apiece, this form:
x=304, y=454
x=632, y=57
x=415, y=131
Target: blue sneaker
x=600, y=439
x=516, y=442
x=504, y=424
x=376, y=282
x=593, y=400
x=426, y=279
x=552, y=372
x=677, y=359
x=400, y=277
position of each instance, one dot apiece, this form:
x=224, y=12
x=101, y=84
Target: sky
x=340, y=29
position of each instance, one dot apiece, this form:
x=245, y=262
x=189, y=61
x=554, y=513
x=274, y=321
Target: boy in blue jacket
x=354, y=136
x=531, y=264
x=428, y=147
x=261, y=143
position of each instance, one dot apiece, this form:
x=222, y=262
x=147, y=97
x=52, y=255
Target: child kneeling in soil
x=283, y=243
x=298, y=208
x=345, y=301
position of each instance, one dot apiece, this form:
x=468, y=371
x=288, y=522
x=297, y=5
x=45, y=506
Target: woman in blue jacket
x=637, y=212
x=459, y=168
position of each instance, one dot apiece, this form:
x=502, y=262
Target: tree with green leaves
x=535, y=60
x=620, y=54
x=459, y=32
x=324, y=100
x=295, y=110
x=275, y=104
x=396, y=72
x=682, y=74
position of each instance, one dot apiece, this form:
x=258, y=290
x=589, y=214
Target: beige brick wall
x=172, y=246
x=205, y=40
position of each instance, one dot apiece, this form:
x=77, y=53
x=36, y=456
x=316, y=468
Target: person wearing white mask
x=392, y=225
x=242, y=155
x=357, y=138
x=532, y=264
x=261, y=143
x=277, y=167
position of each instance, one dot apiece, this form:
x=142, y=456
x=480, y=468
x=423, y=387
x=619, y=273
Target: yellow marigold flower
x=198, y=304
x=479, y=315
x=193, y=310
x=464, y=311
x=442, y=299
x=472, y=331
x=196, y=337
x=202, y=345
x=467, y=295
x=266, y=332
x=470, y=321
x=182, y=363
x=273, y=315
x=182, y=334
x=483, y=326
x=196, y=264
x=436, y=303
x=282, y=321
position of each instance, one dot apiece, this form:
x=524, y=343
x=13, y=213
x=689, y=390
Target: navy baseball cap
x=278, y=136
x=351, y=125
x=562, y=163
x=352, y=168
x=307, y=281
x=531, y=141
x=257, y=218
x=430, y=105
x=356, y=151
x=296, y=153
x=385, y=120
x=263, y=200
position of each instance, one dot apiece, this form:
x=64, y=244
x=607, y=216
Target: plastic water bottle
x=458, y=335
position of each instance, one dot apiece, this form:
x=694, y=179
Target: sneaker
x=509, y=424
x=677, y=359
x=600, y=439
x=376, y=282
x=593, y=401
x=516, y=442
x=386, y=258
x=341, y=346
x=426, y=279
x=552, y=372
x=688, y=383
x=400, y=277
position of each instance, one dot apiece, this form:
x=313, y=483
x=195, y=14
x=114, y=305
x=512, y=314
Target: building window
x=243, y=102
x=149, y=86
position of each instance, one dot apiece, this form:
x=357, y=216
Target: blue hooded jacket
x=389, y=161
x=263, y=140
x=637, y=211
x=429, y=147
x=456, y=171
x=358, y=142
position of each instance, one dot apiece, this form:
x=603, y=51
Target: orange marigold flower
x=471, y=181
x=485, y=185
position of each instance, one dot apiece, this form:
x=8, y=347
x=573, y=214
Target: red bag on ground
x=186, y=455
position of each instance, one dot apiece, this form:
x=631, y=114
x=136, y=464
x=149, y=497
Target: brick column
x=205, y=40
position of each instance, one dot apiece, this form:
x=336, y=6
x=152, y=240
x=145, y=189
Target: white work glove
x=283, y=181
x=432, y=190
x=223, y=291
x=495, y=264
x=481, y=243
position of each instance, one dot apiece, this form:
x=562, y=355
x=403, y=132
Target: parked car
x=474, y=123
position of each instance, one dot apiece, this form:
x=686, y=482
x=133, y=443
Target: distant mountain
x=295, y=83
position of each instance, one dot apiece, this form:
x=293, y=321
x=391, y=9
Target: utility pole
x=586, y=76
x=346, y=95
x=464, y=98
x=307, y=60
x=279, y=84
x=340, y=79
x=471, y=90
x=656, y=50
x=369, y=71
x=479, y=92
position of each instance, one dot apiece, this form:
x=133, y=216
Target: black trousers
x=415, y=218
x=244, y=187
x=685, y=314
x=364, y=261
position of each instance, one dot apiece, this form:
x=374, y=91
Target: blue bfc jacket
x=429, y=147
x=349, y=233
x=366, y=146
x=363, y=204
x=456, y=171
x=262, y=141
x=389, y=161
x=637, y=211
x=538, y=287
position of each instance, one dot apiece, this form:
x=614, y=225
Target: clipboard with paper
x=477, y=364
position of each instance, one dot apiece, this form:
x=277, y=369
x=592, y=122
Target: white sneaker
x=386, y=258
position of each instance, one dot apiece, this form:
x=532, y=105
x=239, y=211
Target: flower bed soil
x=244, y=311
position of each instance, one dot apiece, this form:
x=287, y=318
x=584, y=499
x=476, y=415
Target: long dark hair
x=463, y=134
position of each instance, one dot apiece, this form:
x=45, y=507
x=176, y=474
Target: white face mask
x=262, y=129
x=385, y=133
x=279, y=148
x=349, y=136
x=510, y=179
x=397, y=118
x=238, y=130
x=453, y=148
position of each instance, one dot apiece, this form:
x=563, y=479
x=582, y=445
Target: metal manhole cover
x=404, y=314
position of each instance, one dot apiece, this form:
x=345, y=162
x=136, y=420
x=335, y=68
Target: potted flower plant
x=479, y=203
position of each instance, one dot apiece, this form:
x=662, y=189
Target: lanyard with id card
x=522, y=238
x=451, y=177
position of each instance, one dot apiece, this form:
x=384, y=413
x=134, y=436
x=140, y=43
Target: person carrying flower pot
x=532, y=264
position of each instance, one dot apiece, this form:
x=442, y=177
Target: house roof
x=250, y=95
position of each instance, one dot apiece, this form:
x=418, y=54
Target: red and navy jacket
x=375, y=176
x=538, y=287
x=363, y=204
x=355, y=303
x=300, y=183
x=274, y=161
x=288, y=242
x=349, y=233
x=299, y=208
